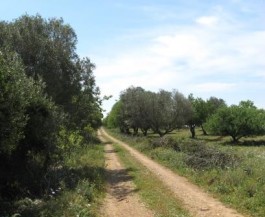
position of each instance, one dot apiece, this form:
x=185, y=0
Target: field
x=234, y=173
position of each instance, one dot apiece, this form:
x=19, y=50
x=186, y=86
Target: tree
x=85, y=108
x=133, y=103
x=114, y=118
x=168, y=111
x=29, y=123
x=238, y=121
x=139, y=109
x=48, y=51
x=202, y=110
x=43, y=83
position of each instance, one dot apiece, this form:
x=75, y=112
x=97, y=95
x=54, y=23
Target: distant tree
x=202, y=110
x=114, y=117
x=139, y=109
x=132, y=106
x=162, y=112
x=238, y=121
x=169, y=110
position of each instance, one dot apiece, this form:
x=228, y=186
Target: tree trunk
x=204, y=131
x=135, y=131
x=192, y=130
x=144, y=131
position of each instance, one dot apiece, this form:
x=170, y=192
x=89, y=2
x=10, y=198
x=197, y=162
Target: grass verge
x=158, y=197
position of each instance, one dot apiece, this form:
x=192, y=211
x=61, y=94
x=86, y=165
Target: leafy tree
x=29, y=123
x=47, y=49
x=43, y=83
x=15, y=88
x=132, y=104
x=114, y=118
x=202, y=110
x=139, y=109
x=238, y=121
x=85, y=106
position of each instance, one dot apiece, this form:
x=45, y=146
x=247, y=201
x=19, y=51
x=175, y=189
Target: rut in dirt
x=121, y=199
x=194, y=199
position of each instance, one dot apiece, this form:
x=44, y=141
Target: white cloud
x=208, y=21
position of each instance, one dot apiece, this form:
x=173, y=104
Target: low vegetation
x=234, y=173
x=75, y=186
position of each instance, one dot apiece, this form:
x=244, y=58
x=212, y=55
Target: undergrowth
x=76, y=187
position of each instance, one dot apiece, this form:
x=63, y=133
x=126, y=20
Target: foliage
x=29, y=123
x=47, y=49
x=76, y=187
x=202, y=110
x=169, y=111
x=15, y=88
x=114, y=119
x=139, y=109
x=134, y=109
x=238, y=121
x=49, y=104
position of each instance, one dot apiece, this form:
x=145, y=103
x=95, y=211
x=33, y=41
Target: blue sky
x=208, y=48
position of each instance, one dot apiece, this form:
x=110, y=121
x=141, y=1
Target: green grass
x=241, y=187
x=79, y=188
x=159, y=198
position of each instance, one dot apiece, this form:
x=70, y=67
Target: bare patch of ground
x=122, y=199
x=198, y=202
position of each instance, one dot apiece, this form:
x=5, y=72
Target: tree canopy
x=162, y=112
x=238, y=121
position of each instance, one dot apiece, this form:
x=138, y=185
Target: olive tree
x=238, y=121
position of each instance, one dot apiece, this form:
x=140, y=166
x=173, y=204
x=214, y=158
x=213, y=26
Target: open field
x=240, y=183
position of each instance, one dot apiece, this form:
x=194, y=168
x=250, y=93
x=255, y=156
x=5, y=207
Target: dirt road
x=122, y=199
x=198, y=202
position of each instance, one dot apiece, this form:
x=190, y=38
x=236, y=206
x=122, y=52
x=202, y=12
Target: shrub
x=166, y=142
x=200, y=156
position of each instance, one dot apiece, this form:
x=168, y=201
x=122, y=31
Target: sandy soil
x=121, y=199
x=198, y=202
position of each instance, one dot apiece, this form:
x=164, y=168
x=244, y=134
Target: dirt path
x=121, y=199
x=199, y=203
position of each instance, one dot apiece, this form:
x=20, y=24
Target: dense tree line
x=46, y=92
x=165, y=111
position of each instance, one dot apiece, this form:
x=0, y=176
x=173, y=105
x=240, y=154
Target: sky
x=205, y=47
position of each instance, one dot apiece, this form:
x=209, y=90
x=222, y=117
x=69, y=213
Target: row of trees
x=165, y=111
x=45, y=88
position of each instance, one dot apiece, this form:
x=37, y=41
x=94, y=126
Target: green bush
x=29, y=123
